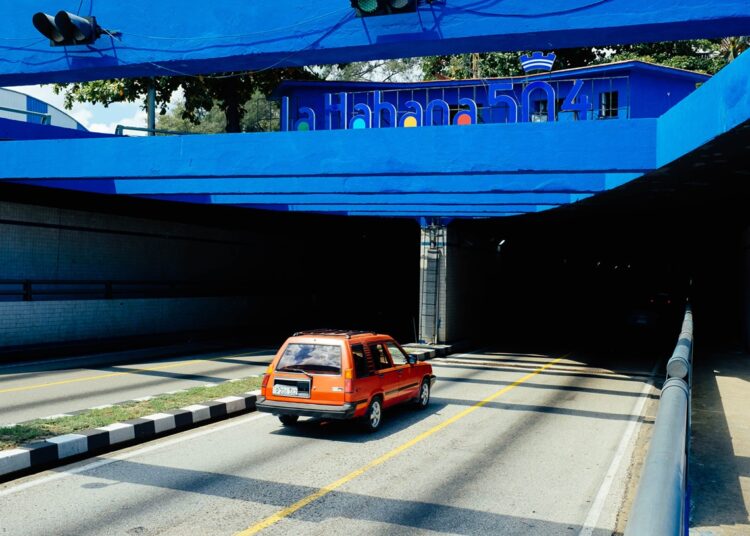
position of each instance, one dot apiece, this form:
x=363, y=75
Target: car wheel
x=288, y=420
x=423, y=398
x=374, y=415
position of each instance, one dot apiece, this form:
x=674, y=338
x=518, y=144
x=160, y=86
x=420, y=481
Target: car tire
x=423, y=397
x=288, y=420
x=374, y=415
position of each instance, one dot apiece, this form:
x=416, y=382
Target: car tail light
x=348, y=381
x=264, y=382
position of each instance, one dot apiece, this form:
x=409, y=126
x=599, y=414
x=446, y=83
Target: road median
x=41, y=443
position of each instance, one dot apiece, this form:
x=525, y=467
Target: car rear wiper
x=290, y=369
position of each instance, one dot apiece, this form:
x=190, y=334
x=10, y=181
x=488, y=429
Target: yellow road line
x=322, y=492
x=131, y=371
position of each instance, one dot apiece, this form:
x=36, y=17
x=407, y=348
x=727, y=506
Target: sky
x=96, y=118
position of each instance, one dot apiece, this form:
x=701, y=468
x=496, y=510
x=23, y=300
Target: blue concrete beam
x=192, y=36
x=523, y=151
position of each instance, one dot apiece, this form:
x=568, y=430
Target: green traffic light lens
x=399, y=4
x=368, y=6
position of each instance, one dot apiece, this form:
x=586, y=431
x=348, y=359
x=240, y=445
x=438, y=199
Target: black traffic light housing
x=372, y=8
x=67, y=29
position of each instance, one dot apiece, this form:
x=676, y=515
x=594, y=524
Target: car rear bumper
x=432, y=380
x=321, y=411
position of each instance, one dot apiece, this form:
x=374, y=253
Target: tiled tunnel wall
x=43, y=243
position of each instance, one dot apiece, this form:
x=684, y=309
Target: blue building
x=622, y=90
x=18, y=106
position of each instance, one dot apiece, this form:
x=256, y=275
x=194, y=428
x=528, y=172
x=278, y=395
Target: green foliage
x=702, y=55
x=496, y=64
x=398, y=70
x=259, y=115
x=229, y=91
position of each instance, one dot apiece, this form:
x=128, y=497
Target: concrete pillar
x=432, y=285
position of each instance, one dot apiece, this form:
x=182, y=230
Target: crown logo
x=538, y=62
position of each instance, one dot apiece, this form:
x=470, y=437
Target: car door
x=389, y=375
x=366, y=381
x=409, y=382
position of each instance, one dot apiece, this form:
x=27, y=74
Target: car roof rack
x=348, y=333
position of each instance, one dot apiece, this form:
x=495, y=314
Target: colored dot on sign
x=303, y=126
x=410, y=122
x=359, y=123
x=464, y=119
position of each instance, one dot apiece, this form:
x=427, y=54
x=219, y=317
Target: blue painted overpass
x=483, y=170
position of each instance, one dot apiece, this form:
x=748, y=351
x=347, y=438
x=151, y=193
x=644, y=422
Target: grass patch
x=41, y=428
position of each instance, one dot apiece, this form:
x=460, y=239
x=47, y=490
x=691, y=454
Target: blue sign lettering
x=538, y=102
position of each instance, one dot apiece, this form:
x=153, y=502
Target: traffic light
x=67, y=29
x=370, y=8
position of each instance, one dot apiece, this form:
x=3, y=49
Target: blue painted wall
x=644, y=91
x=721, y=104
x=474, y=163
x=193, y=36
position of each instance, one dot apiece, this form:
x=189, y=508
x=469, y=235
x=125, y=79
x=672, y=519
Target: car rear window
x=312, y=358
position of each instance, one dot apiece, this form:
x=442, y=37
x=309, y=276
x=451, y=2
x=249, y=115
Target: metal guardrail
x=46, y=118
x=661, y=504
x=49, y=290
x=120, y=129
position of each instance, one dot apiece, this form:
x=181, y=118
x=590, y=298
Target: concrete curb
x=431, y=351
x=42, y=454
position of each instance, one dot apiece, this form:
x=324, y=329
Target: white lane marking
x=132, y=454
x=624, y=448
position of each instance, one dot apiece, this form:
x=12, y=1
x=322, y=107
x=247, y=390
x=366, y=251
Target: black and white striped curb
x=55, y=449
x=124, y=402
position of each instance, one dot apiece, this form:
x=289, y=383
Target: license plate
x=285, y=390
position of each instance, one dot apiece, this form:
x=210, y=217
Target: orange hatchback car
x=333, y=374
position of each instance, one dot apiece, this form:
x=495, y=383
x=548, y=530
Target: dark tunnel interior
x=614, y=271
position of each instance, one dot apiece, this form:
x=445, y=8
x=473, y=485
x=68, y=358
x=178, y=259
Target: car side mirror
x=412, y=359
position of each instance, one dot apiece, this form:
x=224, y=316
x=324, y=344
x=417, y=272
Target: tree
x=397, y=70
x=731, y=47
x=496, y=64
x=702, y=55
x=229, y=91
x=259, y=115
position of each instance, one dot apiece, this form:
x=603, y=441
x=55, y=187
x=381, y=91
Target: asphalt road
x=507, y=446
x=36, y=390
